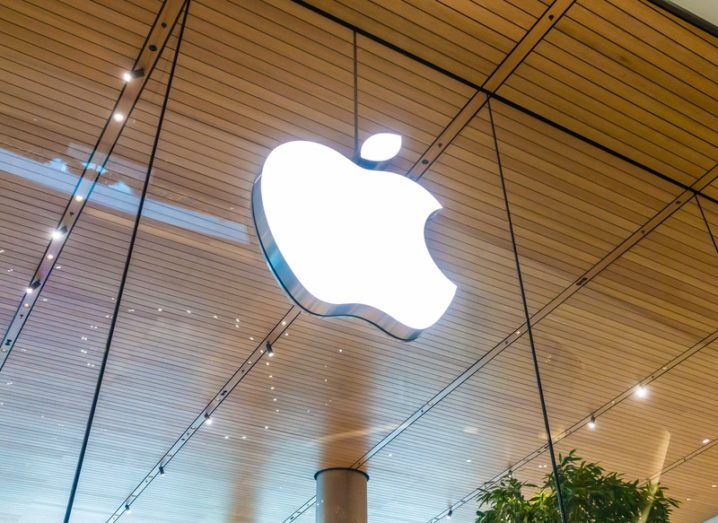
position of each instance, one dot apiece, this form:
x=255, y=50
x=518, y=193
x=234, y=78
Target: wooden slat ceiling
x=633, y=86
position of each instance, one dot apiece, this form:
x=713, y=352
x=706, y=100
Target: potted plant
x=590, y=495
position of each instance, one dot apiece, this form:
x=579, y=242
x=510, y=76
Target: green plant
x=590, y=495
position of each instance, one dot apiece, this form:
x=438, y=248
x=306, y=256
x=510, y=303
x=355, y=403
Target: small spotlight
x=641, y=391
x=270, y=350
x=592, y=423
x=706, y=441
x=162, y=470
x=128, y=76
x=59, y=233
x=127, y=508
x=34, y=285
x=207, y=418
x=450, y=513
x=118, y=117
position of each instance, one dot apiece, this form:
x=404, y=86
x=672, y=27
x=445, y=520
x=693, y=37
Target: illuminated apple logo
x=348, y=241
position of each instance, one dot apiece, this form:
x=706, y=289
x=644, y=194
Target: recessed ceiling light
x=706, y=441
x=127, y=76
x=641, y=391
x=50, y=256
x=118, y=117
x=79, y=198
x=592, y=423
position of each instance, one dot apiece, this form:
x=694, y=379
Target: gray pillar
x=341, y=496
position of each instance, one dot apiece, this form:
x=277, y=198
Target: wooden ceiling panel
x=30, y=213
x=262, y=474
x=255, y=74
x=468, y=39
x=52, y=372
x=469, y=239
x=631, y=320
x=571, y=203
x=211, y=135
x=629, y=78
x=477, y=432
x=643, y=436
x=695, y=484
x=60, y=81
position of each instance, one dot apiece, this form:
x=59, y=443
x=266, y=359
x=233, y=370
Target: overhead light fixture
x=79, y=198
x=128, y=510
x=118, y=117
x=33, y=286
x=128, y=76
x=450, y=513
x=162, y=470
x=59, y=233
x=706, y=441
x=641, y=391
x=270, y=350
x=592, y=423
x=207, y=418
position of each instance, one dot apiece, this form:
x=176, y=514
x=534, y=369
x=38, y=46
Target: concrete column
x=341, y=496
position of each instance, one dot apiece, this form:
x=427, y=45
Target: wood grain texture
x=199, y=296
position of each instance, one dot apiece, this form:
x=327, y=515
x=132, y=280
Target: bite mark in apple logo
x=343, y=240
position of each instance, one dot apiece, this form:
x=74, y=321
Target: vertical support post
x=341, y=496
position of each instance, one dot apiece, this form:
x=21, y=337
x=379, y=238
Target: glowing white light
x=29, y=290
x=381, y=147
x=57, y=234
x=50, y=256
x=127, y=76
x=706, y=441
x=118, y=117
x=208, y=420
x=592, y=423
x=352, y=235
x=79, y=198
x=641, y=391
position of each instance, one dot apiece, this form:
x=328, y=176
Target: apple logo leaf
x=344, y=240
x=381, y=147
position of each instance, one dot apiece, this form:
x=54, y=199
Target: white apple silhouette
x=344, y=240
